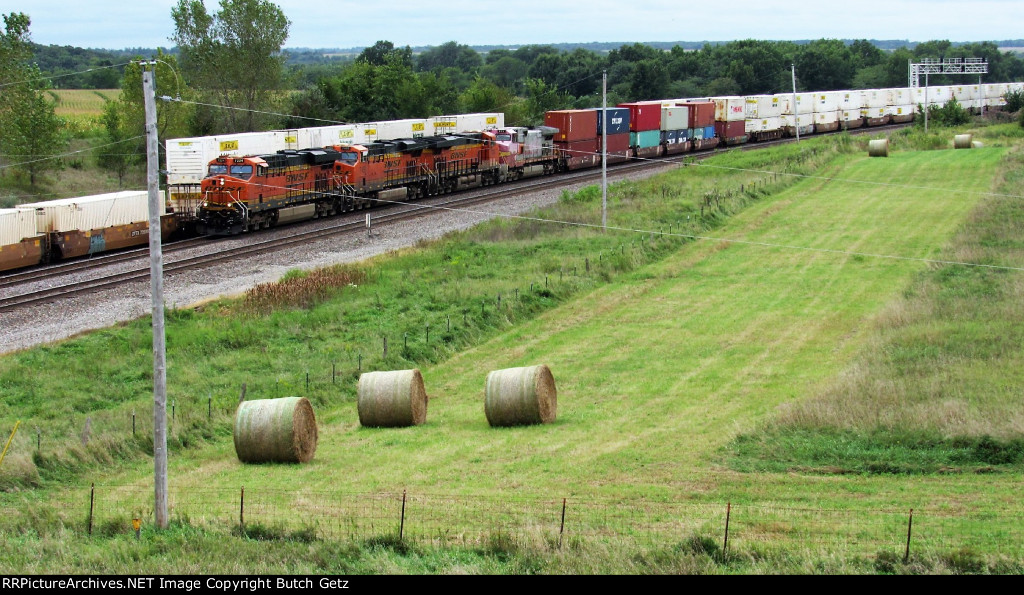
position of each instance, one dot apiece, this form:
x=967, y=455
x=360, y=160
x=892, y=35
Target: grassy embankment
x=665, y=356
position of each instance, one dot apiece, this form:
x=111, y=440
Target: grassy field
x=757, y=291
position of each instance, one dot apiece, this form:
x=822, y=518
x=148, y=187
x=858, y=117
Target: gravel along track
x=67, y=317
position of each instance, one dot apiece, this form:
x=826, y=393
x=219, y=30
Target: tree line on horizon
x=231, y=72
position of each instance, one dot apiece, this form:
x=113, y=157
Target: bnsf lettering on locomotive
x=296, y=177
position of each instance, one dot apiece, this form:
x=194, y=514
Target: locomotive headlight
x=222, y=181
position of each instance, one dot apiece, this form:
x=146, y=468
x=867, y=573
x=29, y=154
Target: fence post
x=307, y=382
x=728, y=511
x=133, y=422
x=209, y=407
x=333, y=373
x=92, y=500
x=241, y=510
x=910, y=524
x=561, y=529
x=401, y=526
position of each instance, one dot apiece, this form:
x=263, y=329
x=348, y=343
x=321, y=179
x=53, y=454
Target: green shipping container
x=645, y=139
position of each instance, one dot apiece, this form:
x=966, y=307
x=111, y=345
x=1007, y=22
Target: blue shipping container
x=645, y=139
x=709, y=131
x=618, y=120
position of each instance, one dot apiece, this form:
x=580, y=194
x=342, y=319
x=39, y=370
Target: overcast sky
x=119, y=24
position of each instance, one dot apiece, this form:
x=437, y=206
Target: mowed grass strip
x=938, y=385
x=661, y=368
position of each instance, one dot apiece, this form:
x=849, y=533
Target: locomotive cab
x=349, y=159
x=225, y=193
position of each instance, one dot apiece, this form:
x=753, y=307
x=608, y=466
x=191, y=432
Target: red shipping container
x=702, y=113
x=580, y=154
x=618, y=148
x=573, y=125
x=731, y=132
x=646, y=115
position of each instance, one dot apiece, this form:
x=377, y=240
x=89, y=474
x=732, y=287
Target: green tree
x=866, y=54
x=31, y=134
x=172, y=116
x=450, y=55
x=35, y=137
x=825, y=65
x=542, y=97
x=379, y=53
x=15, y=53
x=507, y=71
x=233, y=57
x=485, y=96
x=119, y=150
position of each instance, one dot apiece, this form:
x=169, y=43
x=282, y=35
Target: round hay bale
x=392, y=399
x=977, y=144
x=275, y=431
x=520, y=396
x=878, y=147
x=962, y=141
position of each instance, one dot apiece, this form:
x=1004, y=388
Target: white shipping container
x=822, y=118
x=851, y=100
x=850, y=115
x=802, y=120
x=727, y=109
x=874, y=98
x=762, y=124
x=16, y=225
x=392, y=129
x=804, y=103
x=827, y=101
x=675, y=118
x=762, y=106
x=327, y=136
x=875, y=112
x=900, y=96
x=188, y=158
x=99, y=211
x=465, y=123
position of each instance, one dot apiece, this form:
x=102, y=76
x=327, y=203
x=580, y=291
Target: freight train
x=228, y=184
x=289, y=185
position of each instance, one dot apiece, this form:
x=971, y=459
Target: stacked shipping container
x=20, y=244
x=577, y=136
x=616, y=143
x=91, y=224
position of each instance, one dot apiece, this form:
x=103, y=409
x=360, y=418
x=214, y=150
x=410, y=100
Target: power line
x=56, y=76
x=167, y=98
x=90, y=149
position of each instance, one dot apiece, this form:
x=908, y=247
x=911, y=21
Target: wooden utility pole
x=156, y=276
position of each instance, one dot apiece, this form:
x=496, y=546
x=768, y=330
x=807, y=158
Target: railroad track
x=396, y=213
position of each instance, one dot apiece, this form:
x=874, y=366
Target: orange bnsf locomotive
x=247, y=193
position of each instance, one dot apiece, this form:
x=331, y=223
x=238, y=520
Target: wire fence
x=454, y=520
